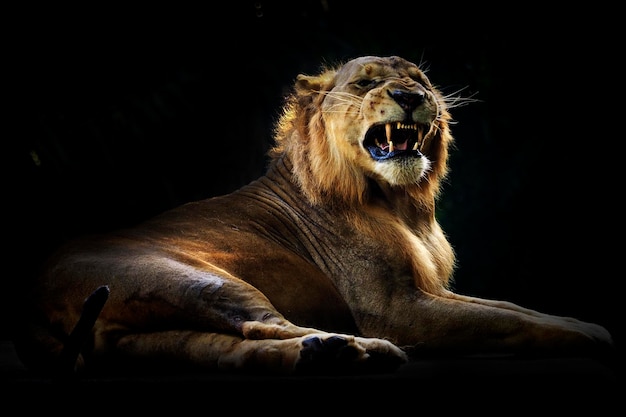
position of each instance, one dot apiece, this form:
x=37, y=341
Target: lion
x=331, y=261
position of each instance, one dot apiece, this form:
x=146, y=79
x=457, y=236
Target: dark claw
x=334, y=355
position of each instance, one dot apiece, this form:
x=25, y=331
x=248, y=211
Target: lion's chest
x=358, y=261
x=362, y=260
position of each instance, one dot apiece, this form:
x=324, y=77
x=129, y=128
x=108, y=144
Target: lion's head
x=371, y=119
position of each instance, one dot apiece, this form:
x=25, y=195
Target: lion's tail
x=91, y=310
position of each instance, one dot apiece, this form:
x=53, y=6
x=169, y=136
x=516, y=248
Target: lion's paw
x=334, y=353
x=598, y=336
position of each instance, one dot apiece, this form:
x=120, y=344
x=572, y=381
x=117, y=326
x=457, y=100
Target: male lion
x=332, y=260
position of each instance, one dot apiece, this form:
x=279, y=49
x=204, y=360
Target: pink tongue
x=399, y=147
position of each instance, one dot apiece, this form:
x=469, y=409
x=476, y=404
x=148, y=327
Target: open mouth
x=395, y=139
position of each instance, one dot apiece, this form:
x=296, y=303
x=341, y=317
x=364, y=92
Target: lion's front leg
x=325, y=351
x=430, y=323
x=316, y=352
x=594, y=331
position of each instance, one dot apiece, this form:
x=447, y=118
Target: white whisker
x=341, y=95
x=343, y=99
x=454, y=99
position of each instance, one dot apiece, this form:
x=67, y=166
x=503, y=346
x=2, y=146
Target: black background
x=118, y=114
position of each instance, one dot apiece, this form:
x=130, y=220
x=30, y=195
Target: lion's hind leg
x=317, y=352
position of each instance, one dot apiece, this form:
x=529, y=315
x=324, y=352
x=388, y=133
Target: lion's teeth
x=388, y=134
x=420, y=138
x=400, y=125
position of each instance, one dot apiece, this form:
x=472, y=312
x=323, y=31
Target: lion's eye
x=365, y=82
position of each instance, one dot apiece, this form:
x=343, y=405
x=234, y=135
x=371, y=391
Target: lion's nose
x=407, y=100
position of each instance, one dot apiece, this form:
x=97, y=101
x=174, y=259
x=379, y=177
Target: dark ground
x=119, y=114
x=489, y=385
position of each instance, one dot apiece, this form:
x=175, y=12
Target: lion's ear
x=308, y=84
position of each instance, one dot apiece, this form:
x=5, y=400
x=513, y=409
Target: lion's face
x=386, y=110
x=370, y=119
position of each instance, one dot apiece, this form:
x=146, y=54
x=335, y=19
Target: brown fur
x=331, y=260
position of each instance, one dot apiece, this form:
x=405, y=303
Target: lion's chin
x=402, y=171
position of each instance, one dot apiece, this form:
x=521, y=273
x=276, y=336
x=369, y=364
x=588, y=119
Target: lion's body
x=339, y=238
